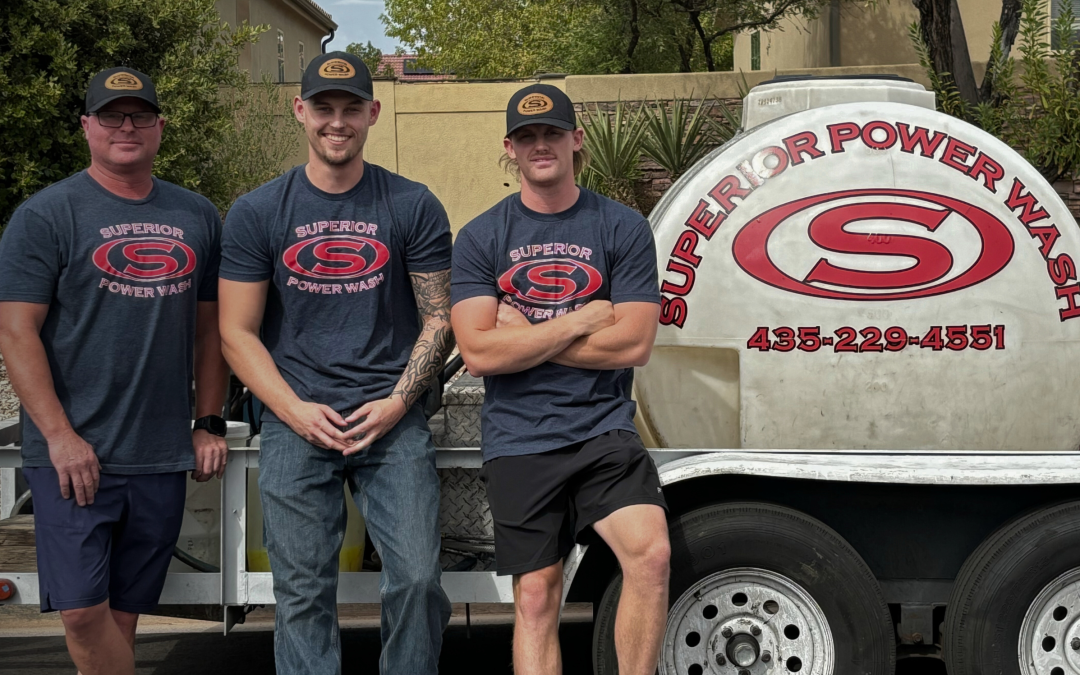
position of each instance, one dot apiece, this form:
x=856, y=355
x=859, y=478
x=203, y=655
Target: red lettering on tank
x=800, y=144
x=932, y=260
x=750, y=247
x=919, y=138
x=1030, y=210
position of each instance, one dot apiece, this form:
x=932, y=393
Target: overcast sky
x=358, y=21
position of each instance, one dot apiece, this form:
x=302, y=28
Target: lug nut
x=720, y=660
x=744, y=671
x=1075, y=644
x=755, y=631
x=766, y=657
x=726, y=632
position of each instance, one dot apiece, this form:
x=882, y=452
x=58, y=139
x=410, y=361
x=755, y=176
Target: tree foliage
x=1037, y=112
x=49, y=50
x=519, y=38
x=372, y=58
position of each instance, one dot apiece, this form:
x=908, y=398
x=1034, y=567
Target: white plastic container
x=200, y=533
x=864, y=275
x=785, y=96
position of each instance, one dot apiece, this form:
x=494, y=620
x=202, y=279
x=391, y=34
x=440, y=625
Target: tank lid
x=819, y=78
x=789, y=94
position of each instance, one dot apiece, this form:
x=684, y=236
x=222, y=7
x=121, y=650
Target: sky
x=358, y=21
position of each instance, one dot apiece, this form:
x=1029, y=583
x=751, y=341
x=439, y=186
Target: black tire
x=999, y=581
x=781, y=540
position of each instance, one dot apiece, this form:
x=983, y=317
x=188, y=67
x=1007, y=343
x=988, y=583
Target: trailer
x=862, y=403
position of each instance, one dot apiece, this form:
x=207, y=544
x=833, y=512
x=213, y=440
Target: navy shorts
x=116, y=549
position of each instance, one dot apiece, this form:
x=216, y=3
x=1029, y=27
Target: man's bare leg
x=537, y=598
x=638, y=536
x=97, y=645
x=128, y=624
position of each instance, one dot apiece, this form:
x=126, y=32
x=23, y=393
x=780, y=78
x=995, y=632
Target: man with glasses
x=108, y=306
x=335, y=311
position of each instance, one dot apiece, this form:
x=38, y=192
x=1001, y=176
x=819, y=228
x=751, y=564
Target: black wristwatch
x=213, y=424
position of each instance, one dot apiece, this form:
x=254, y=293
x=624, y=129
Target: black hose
x=193, y=562
x=450, y=369
x=324, y=43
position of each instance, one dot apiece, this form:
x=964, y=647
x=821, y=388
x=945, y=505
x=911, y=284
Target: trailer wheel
x=1015, y=606
x=764, y=589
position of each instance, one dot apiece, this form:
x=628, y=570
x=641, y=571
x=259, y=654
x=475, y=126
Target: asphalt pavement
x=34, y=646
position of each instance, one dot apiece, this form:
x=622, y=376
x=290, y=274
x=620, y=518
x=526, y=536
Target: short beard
x=339, y=160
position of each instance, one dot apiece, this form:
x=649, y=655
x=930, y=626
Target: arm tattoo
x=432, y=291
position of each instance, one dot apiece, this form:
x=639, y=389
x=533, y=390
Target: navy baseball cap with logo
x=114, y=83
x=540, y=104
x=337, y=71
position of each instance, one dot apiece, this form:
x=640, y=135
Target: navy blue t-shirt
x=122, y=278
x=341, y=319
x=547, y=265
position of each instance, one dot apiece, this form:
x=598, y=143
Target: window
x=302, y=63
x=755, y=50
x=1056, y=7
x=280, y=56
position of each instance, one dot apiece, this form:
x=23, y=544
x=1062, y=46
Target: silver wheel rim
x=1050, y=632
x=787, y=625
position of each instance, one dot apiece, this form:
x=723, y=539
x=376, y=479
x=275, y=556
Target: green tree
x=518, y=38
x=1034, y=108
x=372, y=58
x=50, y=49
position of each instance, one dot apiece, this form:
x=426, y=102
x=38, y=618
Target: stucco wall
x=800, y=43
x=261, y=58
x=868, y=36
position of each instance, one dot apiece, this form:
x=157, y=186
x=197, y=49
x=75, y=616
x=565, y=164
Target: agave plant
x=725, y=127
x=676, y=142
x=613, y=141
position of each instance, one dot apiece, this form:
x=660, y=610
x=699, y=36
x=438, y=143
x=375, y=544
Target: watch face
x=216, y=425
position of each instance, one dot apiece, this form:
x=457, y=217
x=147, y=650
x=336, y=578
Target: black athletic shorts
x=541, y=504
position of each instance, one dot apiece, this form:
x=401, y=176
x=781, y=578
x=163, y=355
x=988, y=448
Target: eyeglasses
x=114, y=119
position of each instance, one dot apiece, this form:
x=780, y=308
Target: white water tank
x=864, y=274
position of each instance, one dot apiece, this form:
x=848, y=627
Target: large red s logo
x=551, y=282
x=336, y=257
x=933, y=260
x=145, y=259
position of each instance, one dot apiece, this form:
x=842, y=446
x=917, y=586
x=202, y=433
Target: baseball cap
x=540, y=104
x=336, y=71
x=114, y=83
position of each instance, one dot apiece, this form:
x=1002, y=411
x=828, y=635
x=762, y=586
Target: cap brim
x=102, y=104
x=337, y=87
x=562, y=124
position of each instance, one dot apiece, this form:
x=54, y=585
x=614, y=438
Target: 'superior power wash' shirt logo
x=935, y=269
x=145, y=258
x=336, y=257
x=551, y=282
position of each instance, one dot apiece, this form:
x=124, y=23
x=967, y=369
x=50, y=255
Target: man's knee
x=650, y=564
x=85, y=622
x=539, y=594
x=126, y=621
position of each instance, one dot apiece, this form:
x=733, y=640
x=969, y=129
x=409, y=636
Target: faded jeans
x=396, y=487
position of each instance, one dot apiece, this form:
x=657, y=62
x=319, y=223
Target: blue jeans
x=396, y=487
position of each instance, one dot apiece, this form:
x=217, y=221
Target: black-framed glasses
x=114, y=119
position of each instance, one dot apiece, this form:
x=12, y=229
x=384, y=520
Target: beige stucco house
x=852, y=34
x=297, y=30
